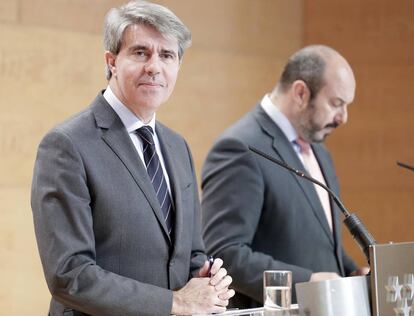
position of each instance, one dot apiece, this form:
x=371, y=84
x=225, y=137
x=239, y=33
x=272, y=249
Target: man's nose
x=342, y=116
x=152, y=67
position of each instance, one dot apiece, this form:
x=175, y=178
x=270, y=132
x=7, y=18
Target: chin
x=323, y=138
x=319, y=138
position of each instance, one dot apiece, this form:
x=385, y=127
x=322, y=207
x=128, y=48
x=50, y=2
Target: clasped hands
x=205, y=294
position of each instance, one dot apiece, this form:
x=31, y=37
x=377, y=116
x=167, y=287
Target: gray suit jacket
x=101, y=235
x=258, y=216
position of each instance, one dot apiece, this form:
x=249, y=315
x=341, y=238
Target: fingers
x=222, y=300
x=217, y=310
x=198, y=296
x=219, y=282
x=218, y=276
x=217, y=264
x=223, y=303
x=218, y=300
x=226, y=295
x=224, y=283
x=203, y=272
x=361, y=271
x=321, y=276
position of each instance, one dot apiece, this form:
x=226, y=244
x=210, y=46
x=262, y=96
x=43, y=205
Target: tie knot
x=146, y=132
x=303, y=145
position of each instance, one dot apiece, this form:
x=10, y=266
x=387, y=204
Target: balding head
x=314, y=91
x=309, y=65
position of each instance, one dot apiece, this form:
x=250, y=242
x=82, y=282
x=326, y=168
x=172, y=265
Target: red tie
x=311, y=164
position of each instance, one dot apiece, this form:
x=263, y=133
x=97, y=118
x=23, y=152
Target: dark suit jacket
x=258, y=216
x=99, y=227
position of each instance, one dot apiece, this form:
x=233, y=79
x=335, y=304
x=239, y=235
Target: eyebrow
x=138, y=47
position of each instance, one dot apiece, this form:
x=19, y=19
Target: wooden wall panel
x=51, y=66
x=9, y=11
x=45, y=75
x=75, y=15
x=376, y=38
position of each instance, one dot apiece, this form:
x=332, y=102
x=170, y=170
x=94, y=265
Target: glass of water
x=277, y=285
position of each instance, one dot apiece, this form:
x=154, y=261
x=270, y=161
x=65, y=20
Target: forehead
x=147, y=36
x=340, y=83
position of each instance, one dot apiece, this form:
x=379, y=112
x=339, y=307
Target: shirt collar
x=279, y=118
x=128, y=118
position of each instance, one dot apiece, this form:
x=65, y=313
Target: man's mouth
x=332, y=125
x=151, y=84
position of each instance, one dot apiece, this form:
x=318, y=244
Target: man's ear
x=110, y=61
x=301, y=93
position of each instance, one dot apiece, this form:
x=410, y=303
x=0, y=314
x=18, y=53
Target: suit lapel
x=287, y=154
x=116, y=137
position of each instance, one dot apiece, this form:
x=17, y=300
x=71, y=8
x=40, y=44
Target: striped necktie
x=156, y=175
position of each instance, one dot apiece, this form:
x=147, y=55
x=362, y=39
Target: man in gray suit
x=258, y=216
x=114, y=194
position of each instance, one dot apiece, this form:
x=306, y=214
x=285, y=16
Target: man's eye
x=337, y=104
x=167, y=56
x=140, y=53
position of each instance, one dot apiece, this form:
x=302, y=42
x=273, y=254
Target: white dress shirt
x=282, y=121
x=132, y=123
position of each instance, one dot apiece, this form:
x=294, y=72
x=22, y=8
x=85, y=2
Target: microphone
x=404, y=165
x=355, y=226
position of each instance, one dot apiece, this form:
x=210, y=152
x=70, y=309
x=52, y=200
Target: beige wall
x=51, y=66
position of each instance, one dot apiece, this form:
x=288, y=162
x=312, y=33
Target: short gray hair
x=146, y=13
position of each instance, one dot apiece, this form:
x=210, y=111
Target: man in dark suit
x=114, y=194
x=258, y=216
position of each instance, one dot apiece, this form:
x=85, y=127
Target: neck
x=144, y=119
x=144, y=116
x=282, y=102
x=286, y=105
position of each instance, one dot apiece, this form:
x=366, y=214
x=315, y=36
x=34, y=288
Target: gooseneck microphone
x=357, y=229
x=404, y=165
